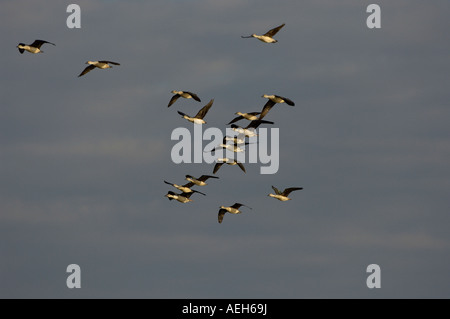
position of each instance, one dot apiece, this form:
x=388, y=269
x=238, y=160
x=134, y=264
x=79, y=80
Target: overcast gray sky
x=82, y=160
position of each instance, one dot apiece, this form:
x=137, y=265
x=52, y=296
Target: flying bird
x=185, y=188
x=184, y=94
x=239, y=139
x=182, y=198
x=97, y=64
x=268, y=36
x=34, y=47
x=250, y=129
x=228, y=161
x=231, y=209
x=283, y=196
x=231, y=147
x=248, y=116
x=199, y=181
x=274, y=99
x=198, y=119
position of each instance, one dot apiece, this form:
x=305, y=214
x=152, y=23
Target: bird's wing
x=187, y=195
x=39, y=43
x=254, y=113
x=235, y=120
x=173, y=99
x=287, y=191
x=201, y=114
x=237, y=205
x=168, y=183
x=199, y=192
x=87, y=69
x=222, y=212
x=256, y=123
x=194, y=96
x=205, y=177
x=241, y=166
x=266, y=109
x=288, y=101
x=189, y=185
x=181, y=113
x=216, y=167
x=276, y=190
x=274, y=31
x=109, y=62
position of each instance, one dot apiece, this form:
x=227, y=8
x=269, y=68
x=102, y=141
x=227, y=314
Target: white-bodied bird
x=268, y=36
x=274, y=99
x=34, y=47
x=198, y=119
x=283, y=196
x=184, y=94
x=234, y=209
x=97, y=64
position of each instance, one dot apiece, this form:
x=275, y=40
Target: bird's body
x=248, y=116
x=234, y=209
x=183, y=94
x=34, y=48
x=185, y=188
x=198, y=119
x=201, y=181
x=232, y=162
x=182, y=198
x=283, y=196
x=97, y=64
x=268, y=36
x=273, y=99
x=250, y=130
x=231, y=147
x=240, y=139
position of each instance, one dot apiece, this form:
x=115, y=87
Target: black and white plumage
x=185, y=188
x=97, y=64
x=273, y=99
x=182, y=198
x=268, y=36
x=34, y=47
x=227, y=161
x=198, y=119
x=283, y=196
x=201, y=181
x=234, y=147
x=184, y=94
x=234, y=209
x=248, y=116
x=250, y=130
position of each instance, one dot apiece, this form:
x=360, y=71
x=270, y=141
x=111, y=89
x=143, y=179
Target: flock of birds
x=255, y=118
